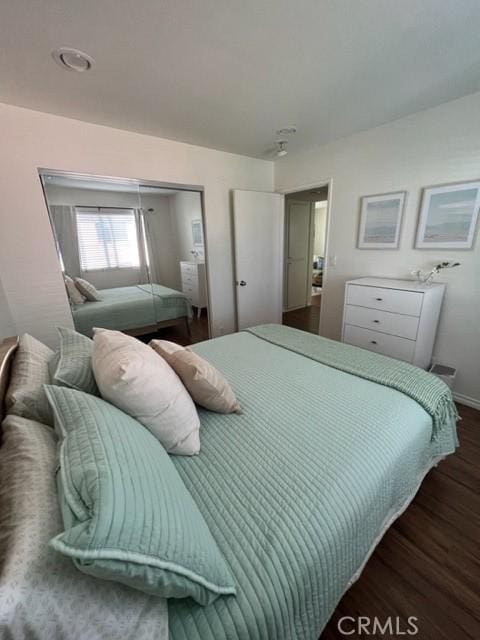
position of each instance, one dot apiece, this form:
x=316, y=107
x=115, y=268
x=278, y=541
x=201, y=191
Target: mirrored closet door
x=132, y=255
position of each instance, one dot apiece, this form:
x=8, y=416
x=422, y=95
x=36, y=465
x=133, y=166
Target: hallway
x=306, y=319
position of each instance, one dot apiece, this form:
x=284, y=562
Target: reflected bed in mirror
x=132, y=255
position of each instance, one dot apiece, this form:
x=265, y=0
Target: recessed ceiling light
x=286, y=131
x=73, y=59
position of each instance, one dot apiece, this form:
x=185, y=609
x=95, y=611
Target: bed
x=298, y=490
x=137, y=309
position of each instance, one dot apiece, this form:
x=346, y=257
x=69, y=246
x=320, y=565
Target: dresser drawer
x=193, y=300
x=394, y=300
x=188, y=268
x=190, y=289
x=395, y=324
x=188, y=278
x=392, y=346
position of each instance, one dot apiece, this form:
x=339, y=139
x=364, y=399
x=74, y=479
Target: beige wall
x=6, y=321
x=28, y=263
x=161, y=231
x=185, y=208
x=432, y=147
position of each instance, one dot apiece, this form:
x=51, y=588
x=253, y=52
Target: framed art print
x=197, y=233
x=381, y=220
x=448, y=216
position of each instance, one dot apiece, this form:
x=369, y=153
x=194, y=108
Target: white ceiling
x=227, y=73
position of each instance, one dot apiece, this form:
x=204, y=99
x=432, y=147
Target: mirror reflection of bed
x=132, y=256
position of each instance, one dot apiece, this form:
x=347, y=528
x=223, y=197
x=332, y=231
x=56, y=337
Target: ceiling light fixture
x=281, y=148
x=73, y=59
x=286, y=131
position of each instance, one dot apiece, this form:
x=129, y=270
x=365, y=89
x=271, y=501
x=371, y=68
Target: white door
x=297, y=267
x=258, y=221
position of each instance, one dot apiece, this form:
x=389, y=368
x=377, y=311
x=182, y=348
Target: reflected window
x=107, y=240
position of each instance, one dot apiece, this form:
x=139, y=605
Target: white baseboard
x=470, y=402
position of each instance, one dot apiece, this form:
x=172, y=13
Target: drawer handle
x=374, y=342
x=379, y=299
x=377, y=321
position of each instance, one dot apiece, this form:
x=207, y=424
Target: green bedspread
x=428, y=390
x=125, y=308
x=296, y=489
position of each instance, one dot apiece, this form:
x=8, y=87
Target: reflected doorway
x=305, y=244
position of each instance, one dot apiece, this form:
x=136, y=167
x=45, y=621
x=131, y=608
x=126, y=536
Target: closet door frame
x=43, y=172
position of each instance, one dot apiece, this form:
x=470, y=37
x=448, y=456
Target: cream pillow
x=206, y=385
x=131, y=376
x=73, y=293
x=87, y=289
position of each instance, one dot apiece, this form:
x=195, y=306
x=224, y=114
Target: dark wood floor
x=306, y=319
x=179, y=334
x=428, y=563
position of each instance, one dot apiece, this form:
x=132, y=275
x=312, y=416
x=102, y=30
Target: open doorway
x=305, y=244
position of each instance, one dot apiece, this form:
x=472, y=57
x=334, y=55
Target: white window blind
x=107, y=239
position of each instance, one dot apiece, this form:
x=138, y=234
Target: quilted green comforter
x=297, y=489
x=125, y=308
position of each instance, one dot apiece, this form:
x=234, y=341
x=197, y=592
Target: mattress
x=298, y=488
x=125, y=308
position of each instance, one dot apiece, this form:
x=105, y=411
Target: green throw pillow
x=72, y=364
x=128, y=516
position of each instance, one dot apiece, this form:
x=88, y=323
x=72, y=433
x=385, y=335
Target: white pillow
x=87, y=289
x=73, y=293
x=131, y=376
x=207, y=386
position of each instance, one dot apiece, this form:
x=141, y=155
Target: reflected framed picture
x=448, y=216
x=381, y=220
x=197, y=233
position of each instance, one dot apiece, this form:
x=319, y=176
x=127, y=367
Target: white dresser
x=395, y=317
x=194, y=283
